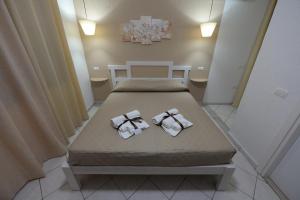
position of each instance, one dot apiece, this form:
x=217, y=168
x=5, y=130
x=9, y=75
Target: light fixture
x=207, y=29
x=87, y=26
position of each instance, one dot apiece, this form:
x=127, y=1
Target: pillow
x=150, y=86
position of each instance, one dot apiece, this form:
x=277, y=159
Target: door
x=287, y=174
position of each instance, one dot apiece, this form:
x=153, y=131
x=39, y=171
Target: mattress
x=100, y=144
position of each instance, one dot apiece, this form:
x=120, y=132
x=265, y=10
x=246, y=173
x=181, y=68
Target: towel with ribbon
x=129, y=124
x=171, y=121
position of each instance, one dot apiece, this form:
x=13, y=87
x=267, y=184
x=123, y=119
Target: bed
x=200, y=149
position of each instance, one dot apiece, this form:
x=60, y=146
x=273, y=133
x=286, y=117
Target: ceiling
x=178, y=11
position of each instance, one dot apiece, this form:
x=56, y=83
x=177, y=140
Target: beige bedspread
x=100, y=144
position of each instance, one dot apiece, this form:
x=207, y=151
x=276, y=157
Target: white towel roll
x=142, y=125
x=128, y=129
x=125, y=135
x=183, y=120
x=172, y=127
x=133, y=114
x=116, y=121
x=157, y=119
x=170, y=123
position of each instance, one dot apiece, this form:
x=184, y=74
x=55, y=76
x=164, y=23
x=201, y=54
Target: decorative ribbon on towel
x=171, y=115
x=135, y=119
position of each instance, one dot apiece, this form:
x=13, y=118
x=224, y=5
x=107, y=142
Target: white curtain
x=40, y=99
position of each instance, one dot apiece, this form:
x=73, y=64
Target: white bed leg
x=225, y=178
x=71, y=178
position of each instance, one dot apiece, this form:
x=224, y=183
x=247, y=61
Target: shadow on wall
x=96, y=10
x=198, y=11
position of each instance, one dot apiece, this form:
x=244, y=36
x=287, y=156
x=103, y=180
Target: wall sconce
x=207, y=29
x=88, y=26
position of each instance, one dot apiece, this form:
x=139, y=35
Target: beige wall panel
x=186, y=46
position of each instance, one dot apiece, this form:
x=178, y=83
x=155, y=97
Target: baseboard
x=276, y=189
x=221, y=125
x=230, y=136
x=250, y=159
x=98, y=102
x=95, y=103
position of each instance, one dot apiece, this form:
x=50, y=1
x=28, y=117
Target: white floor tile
x=148, y=192
x=243, y=163
x=92, y=183
x=205, y=184
x=187, y=191
x=213, y=107
x=108, y=192
x=264, y=192
x=65, y=193
x=53, y=163
x=231, y=194
x=53, y=181
x=224, y=111
x=128, y=183
x=31, y=191
x=167, y=184
x=244, y=181
x=229, y=122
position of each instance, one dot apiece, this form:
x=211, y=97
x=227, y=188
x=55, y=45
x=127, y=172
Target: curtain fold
x=47, y=48
x=40, y=100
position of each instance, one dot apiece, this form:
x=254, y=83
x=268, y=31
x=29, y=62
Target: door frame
x=288, y=141
x=286, y=138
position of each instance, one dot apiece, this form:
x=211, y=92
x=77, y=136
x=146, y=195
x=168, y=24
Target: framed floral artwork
x=146, y=30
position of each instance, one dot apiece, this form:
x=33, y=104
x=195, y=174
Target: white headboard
x=129, y=64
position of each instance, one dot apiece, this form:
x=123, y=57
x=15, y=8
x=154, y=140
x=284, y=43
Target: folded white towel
x=117, y=121
x=173, y=127
x=170, y=123
x=183, y=121
x=157, y=119
x=127, y=129
x=126, y=134
x=142, y=125
x=133, y=114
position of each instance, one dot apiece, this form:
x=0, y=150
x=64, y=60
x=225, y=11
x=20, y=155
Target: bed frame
x=127, y=67
x=224, y=172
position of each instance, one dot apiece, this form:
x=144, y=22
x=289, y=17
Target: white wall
x=262, y=116
x=238, y=29
x=287, y=173
x=68, y=14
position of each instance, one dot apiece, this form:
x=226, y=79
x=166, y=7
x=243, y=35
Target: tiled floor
x=223, y=114
x=245, y=184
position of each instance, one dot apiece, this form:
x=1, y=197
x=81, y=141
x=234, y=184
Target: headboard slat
x=129, y=64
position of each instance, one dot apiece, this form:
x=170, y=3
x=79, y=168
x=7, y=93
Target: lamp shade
x=207, y=29
x=88, y=27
